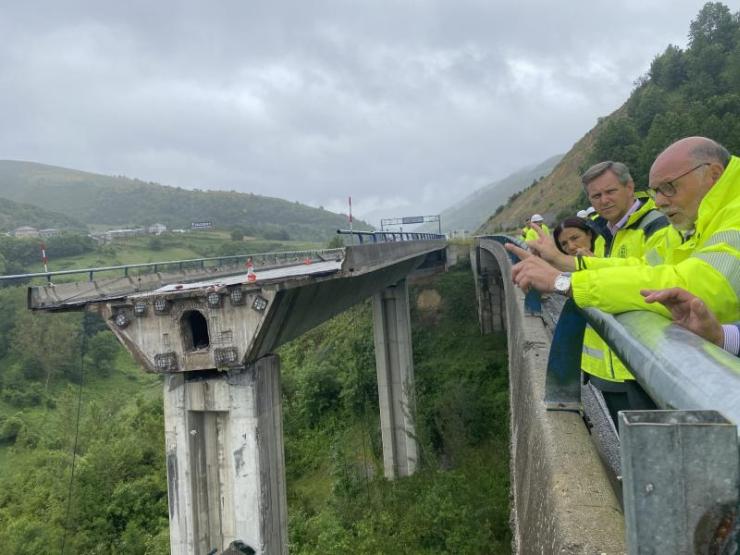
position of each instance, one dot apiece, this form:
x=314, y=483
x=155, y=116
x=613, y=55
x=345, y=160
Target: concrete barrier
x=561, y=498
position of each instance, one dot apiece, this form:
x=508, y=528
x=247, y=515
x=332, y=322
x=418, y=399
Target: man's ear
x=715, y=171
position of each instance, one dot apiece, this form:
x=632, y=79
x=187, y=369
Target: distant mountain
x=16, y=214
x=473, y=210
x=120, y=201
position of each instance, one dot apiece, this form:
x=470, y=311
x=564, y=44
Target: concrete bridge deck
x=213, y=332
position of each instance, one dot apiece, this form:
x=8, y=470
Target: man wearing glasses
x=695, y=183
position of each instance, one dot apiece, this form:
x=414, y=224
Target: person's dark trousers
x=626, y=395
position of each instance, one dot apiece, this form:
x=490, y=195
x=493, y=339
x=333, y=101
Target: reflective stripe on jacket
x=645, y=230
x=707, y=264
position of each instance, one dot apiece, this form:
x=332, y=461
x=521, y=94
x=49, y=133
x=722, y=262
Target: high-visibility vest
x=532, y=234
x=706, y=264
x=645, y=229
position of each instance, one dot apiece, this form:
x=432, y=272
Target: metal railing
x=259, y=259
x=680, y=465
x=390, y=236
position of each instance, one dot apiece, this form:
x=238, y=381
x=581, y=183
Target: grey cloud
x=401, y=104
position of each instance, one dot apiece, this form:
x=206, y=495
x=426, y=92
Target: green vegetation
x=687, y=92
x=458, y=501
x=70, y=251
x=17, y=255
x=16, y=214
x=338, y=500
x=118, y=201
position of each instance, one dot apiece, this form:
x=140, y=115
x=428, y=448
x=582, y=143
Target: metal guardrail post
x=533, y=302
x=563, y=380
x=680, y=481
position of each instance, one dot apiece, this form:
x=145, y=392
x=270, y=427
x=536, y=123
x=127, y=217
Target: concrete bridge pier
x=225, y=461
x=395, y=369
x=489, y=288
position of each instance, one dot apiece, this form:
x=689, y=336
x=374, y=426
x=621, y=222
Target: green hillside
x=119, y=201
x=17, y=214
x=688, y=92
x=338, y=500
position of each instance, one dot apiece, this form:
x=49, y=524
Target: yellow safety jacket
x=707, y=263
x=532, y=234
x=646, y=229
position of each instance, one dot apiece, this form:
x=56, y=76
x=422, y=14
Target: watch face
x=562, y=283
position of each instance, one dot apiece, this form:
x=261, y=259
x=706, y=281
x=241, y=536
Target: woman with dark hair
x=575, y=236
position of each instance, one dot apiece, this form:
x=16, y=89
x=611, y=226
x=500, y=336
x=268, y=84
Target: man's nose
x=661, y=201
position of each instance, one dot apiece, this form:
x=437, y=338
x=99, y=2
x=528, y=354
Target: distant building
x=201, y=225
x=113, y=234
x=50, y=232
x=157, y=229
x=26, y=232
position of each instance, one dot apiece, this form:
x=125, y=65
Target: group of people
x=674, y=249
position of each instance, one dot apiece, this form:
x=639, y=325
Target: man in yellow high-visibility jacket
x=630, y=226
x=694, y=183
x=531, y=234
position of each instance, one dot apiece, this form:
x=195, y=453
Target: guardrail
x=278, y=257
x=680, y=465
x=390, y=236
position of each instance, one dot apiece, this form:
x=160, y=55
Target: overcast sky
x=405, y=105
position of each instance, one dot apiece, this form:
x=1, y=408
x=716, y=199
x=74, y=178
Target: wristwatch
x=562, y=283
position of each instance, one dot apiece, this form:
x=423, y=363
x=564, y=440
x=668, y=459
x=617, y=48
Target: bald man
x=695, y=183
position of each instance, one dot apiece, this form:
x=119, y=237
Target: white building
x=26, y=231
x=157, y=229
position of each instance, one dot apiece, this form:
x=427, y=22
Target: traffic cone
x=251, y=276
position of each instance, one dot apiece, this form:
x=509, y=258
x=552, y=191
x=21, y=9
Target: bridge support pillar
x=395, y=368
x=225, y=462
x=489, y=289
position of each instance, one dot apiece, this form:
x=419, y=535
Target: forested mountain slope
x=695, y=91
x=119, y=201
x=17, y=214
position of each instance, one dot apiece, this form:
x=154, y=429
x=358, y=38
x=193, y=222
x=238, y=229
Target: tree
x=668, y=70
x=714, y=25
x=237, y=234
x=335, y=242
x=102, y=349
x=618, y=141
x=51, y=341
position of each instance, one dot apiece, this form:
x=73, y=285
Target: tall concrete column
x=225, y=462
x=489, y=288
x=395, y=368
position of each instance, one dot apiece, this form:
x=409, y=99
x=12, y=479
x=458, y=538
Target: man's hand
x=532, y=271
x=689, y=312
x=545, y=247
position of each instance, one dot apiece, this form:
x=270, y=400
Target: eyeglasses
x=668, y=189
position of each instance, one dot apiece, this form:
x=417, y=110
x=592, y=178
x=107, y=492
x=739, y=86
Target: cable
x=83, y=349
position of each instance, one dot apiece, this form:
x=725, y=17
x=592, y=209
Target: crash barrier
x=562, y=501
x=679, y=466
x=389, y=236
x=214, y=263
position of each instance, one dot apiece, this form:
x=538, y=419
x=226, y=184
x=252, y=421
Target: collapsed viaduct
x=212, y=332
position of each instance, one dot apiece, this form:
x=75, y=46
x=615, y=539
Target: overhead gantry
x=213, y=334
